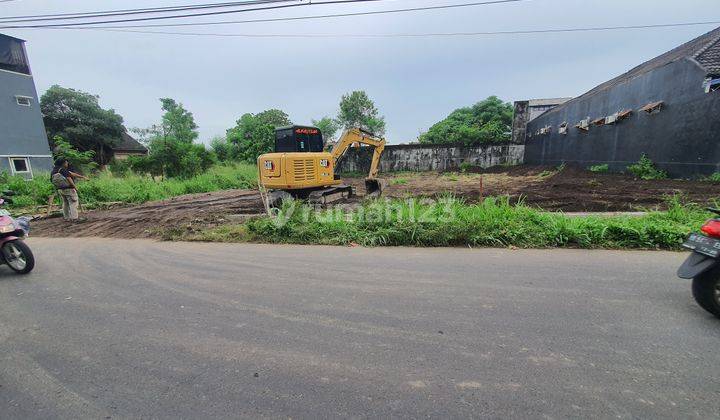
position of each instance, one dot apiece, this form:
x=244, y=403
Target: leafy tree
x=487, y=121
x=254, y=134
x=358, y=110
x=177, y=122
x=77, y=117
x=328, y=127
x=172, y=151
x=78, y=160
x=222, y=148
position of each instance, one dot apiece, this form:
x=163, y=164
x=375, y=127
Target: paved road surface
x=111, y=328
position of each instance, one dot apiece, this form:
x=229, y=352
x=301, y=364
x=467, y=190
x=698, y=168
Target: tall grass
x=493, y=222
x=106, y=187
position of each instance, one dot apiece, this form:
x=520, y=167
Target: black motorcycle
x=703, y=265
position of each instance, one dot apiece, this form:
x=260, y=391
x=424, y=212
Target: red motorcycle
x=13, y=250
x=703, y=265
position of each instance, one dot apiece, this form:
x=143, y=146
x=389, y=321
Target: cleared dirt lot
x=570, y=190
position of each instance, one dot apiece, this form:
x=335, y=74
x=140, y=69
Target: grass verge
x=451, y=222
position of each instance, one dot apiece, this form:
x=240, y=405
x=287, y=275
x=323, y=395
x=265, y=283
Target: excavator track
x=331, y=195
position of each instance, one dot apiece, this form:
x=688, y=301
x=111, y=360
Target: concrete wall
x=22, y=132
x=683, y=139
x=416, y=157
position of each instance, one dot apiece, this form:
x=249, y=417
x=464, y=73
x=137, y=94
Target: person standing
x=64, y=180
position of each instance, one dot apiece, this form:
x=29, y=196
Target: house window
x=23, y=100
x=20, y=165
x=712, y=84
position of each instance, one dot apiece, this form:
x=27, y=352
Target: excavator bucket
x=374, y=187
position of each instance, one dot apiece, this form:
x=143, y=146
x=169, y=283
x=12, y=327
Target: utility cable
x=125, y=12
x=191, y=15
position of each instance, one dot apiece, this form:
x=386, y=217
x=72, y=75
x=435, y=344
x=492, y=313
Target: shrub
x=599, y=168
x=465, y=166
x=713, y=178
x=645, y=169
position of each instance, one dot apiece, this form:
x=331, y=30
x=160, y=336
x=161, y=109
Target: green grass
x=451, y=222
x=599, y=168
x=398, y=181
x=106, y=187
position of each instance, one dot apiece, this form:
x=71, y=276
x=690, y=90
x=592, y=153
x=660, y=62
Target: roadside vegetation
x=107, y=187
x=494, y=222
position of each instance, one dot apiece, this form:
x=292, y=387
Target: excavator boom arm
x=355, y=135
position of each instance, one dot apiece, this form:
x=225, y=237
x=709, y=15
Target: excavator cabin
x=300, y=167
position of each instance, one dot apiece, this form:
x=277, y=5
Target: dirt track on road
x=154, y=219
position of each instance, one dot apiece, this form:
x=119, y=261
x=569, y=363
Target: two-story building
x=24, y=148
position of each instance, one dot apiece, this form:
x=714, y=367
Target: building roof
x=547, y=101
x=704, y=47
x=705, y=50
x=12, y=37
x=129, y=144
x=709, y=57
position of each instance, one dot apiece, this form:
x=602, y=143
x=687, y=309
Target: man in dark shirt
x=64, y=180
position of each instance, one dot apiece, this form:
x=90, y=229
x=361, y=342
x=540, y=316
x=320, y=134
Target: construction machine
x=301, y=168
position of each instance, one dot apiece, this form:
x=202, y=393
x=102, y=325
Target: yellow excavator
x=301, y=168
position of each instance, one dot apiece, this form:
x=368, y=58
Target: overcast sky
x=414, y=81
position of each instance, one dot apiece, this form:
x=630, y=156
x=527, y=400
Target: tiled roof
x=129, y=144
x=709, y=57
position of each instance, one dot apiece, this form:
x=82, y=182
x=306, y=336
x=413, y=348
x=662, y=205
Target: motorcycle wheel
x=18, y=256
x=706, y=291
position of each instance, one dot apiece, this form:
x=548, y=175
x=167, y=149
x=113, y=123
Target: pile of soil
x=155, y=219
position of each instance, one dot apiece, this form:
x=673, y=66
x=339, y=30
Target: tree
x=488, y=121
x=357, y=110
x=177, y=122
x=254, y=134
x=221, y=148
x=172, y=151
x=328, y=127
x=77, y=117
x=79, y=161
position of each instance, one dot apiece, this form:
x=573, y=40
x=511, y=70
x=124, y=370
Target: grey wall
x=683, y=139
x=22, y=132
x=521, y=117
x=415, y=157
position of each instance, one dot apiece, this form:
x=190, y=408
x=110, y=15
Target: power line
x=414, y=35
x=124, y=12
x=190, y=15
x=335, y=15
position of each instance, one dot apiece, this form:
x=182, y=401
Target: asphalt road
x=127, y=329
